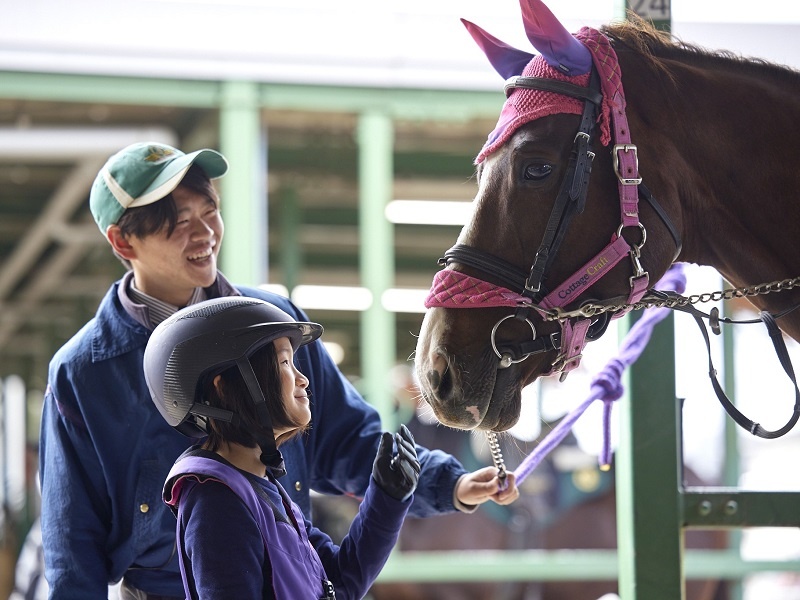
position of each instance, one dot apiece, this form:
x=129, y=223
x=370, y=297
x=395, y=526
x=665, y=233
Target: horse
x=589, y=191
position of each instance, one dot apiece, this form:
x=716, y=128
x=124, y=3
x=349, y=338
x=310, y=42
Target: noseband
x=524, y=290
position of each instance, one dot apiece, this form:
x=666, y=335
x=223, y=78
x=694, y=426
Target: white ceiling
x=416, y=43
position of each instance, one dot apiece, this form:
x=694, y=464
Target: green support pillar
x=291, y=252
x=376, y=258
x=244, y=197
x=649, y=532
x=650, y=535
x=730, y=471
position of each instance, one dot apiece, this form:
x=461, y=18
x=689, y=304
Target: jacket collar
x=121, y=325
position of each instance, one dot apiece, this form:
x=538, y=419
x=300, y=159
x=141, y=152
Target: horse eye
x=537, y=171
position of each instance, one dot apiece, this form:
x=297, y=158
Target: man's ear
x=119, y=242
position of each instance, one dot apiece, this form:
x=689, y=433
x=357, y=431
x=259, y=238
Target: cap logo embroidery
x=158, y=154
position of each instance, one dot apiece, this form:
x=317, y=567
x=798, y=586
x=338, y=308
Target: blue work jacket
x=105, y=452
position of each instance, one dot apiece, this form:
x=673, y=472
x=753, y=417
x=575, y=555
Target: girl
x=223, y=369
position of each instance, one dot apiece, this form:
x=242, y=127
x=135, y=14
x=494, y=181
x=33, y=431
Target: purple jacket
x=241, y=536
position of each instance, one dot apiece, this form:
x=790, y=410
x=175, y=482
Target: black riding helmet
x=202, y=340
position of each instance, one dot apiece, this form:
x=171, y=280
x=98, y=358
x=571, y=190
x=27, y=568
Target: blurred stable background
x=351, y=128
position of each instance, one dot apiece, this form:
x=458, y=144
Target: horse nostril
x=434, y=378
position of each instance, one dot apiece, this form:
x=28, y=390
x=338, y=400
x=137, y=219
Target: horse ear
x=506, y=60
x=557, y=45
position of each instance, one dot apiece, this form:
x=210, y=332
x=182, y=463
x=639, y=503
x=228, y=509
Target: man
x=104, y=449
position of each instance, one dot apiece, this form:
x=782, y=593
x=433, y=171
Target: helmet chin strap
x=270, y=455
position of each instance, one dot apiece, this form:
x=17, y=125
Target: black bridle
x=570, y=201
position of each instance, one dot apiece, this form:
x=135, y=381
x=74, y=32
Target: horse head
x=543, y=239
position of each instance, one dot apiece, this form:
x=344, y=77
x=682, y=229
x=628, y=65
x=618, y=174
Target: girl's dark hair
x=234, y=396
x=142, y=221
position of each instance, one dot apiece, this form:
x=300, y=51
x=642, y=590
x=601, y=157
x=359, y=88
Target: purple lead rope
x=606, y=385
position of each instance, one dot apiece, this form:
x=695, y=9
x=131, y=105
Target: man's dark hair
x=235, y=397
x=142, y=221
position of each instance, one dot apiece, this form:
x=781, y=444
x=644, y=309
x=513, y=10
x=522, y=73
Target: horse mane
x=654, y=45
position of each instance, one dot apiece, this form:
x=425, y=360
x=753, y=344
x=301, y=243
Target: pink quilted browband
x=451, y=289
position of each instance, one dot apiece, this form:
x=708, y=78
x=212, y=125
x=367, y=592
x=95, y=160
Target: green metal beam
x=291, y=253
x=492, y=565
x=730, y=465
x=312, y=158
x=94, y=89
x=650, y=538
x=423, y=105
x=376, y=258
x=730, y=507
x=557, y=565
x=244, y=255
x=649, y=534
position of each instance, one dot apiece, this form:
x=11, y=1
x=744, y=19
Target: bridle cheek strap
x=573, y=341
x=573, y=331
x=587, y=275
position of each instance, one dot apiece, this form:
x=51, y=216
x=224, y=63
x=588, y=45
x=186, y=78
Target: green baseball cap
x=143, y=173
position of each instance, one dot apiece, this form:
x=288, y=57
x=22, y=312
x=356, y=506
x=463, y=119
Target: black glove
x=397, y=473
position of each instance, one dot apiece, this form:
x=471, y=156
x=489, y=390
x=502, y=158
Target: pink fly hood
x=524, y=105
x=565, y=57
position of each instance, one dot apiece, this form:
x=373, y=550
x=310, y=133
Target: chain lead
x=497, y=456
x=591, y=310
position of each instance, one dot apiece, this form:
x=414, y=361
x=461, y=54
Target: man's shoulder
x=78, y=346
x=100, y=337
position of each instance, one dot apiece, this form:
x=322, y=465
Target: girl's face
x=293, y=386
